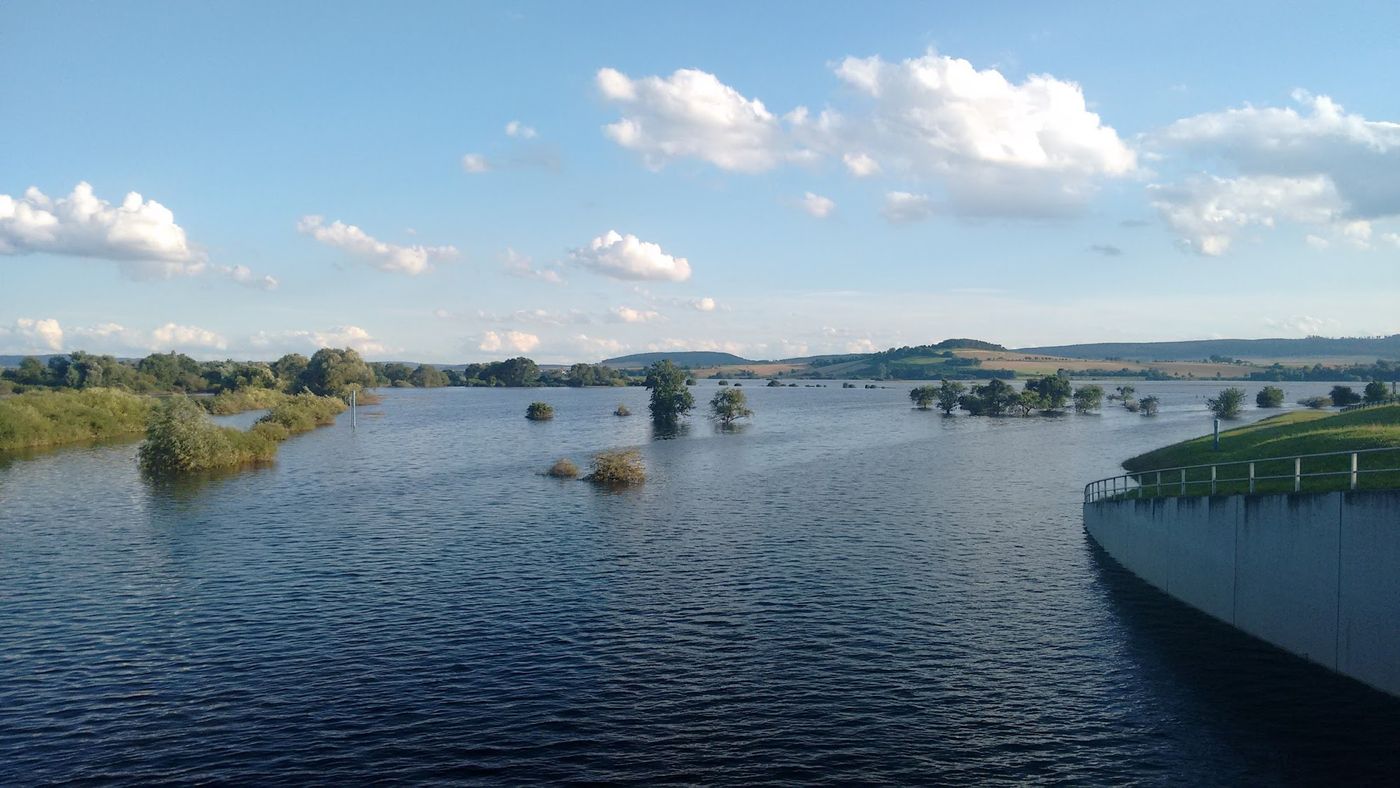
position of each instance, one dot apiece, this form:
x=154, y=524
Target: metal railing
x=1208, y=479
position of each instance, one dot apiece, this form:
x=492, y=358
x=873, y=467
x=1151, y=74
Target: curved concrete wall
x=1316, y=574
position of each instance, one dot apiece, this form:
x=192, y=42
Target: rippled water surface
x=846, y=589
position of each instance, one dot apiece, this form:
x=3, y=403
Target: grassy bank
x=51, y=418
x=1285, y=435
x=181, y=439
x=227, y=403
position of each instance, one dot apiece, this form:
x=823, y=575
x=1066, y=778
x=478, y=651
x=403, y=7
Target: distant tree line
x=1381, y=370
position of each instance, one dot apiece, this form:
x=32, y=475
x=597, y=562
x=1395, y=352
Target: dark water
x=846, y=590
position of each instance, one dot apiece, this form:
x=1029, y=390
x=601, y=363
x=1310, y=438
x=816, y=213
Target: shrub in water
x=1316, y=402
x=564, y=469
x=727, y=406
x=539, y=411
x=1228, y=404
x=622, y=410
x=1269, y=397
x=618, y=468
x=181, y=439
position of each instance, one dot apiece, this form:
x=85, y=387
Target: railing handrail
x=1100, y=488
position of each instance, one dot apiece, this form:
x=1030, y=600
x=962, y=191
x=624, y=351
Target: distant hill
x=682, y=358
x=7, y=362
x=1369, y=348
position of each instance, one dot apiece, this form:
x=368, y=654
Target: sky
x=455, y=182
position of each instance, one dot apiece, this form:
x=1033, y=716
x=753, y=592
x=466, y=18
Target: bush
x=724, y=383
x=304, y=412
x=618, y=468
x=1228, y=403
x=1343, y=396
x=539, y=411
x=1088, y=398
x=181, y=439
x=622, y=410
x=729, y=406
x=226, y=403
x=563, y=469
x=1376, y=393
x=1316, y=402
x=923, y=396
x=49, y=418
x=1269, y=397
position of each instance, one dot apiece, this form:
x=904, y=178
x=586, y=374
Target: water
x=846, y=589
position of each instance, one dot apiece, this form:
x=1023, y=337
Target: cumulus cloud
x=519, y=265
x=627, y=314
x=600, y=346
x=905, y=207
x=33, y=335
x=475, y=163
x=337, y=336
x=996, y=146
x=1303, y=325
x=817, y=205
x=692, y=114
x=517, y=129
x=140, y=235
x=628, y=257
x=705, y=304
x=394, y=258
x=513, y=341
x=1207, y=211
x=860, y=164
x=173, y=336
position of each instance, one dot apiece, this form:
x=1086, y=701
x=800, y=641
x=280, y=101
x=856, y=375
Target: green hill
x=1369, y=348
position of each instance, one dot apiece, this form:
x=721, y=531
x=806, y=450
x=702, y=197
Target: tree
x=669, y=398
x=1228, y=403
x=334, y=372
x=31, y=372
x=923, y=396
x=948, y=394
x=515, y=372
x=289, y=369
x=1125, y=392
x=1054, y=391
x=427, y=376
x=1088, y=398
x=539, y=411
x=1375, y=393
x=728, y=406
x=1269, y=397
x=1027, y=401
x=991, y=399
x=1343, y=396
x=1147, y=406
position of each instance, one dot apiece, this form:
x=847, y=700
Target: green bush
x=1228, y=403
x=304, y=412
x=1088, y=398
x=1269, y=397
x=182, y=439
x=49, y=418
x=1316, y=403
x=729, y=406
x=563, y=469
x=226, y=403
x=923, y=396
x=539, y=411
x=619, y=468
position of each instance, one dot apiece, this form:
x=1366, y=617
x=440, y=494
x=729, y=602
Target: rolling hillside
x=1309, y=349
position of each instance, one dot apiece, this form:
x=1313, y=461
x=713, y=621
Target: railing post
x=1157, y=488
x=1297, y=474
x=1251, y=478
x=1353, y=470
x=1183, y=481
x=1212, y=480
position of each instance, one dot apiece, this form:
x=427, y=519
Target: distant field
x=1034, y=364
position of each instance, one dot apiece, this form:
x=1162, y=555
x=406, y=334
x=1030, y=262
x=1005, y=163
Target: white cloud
x=629, y=257
x=33, y=335
x=627, y=314
x=860, y=164
x=1207, y=211
x=705, y=304
x=411, y=260
x=1317, y=241
x=517, y=129
x=338, y=336
x=172, y=336
x=817, y=205
x=140, y=235
x=712, y=345
x=475, y=163
x=599, y=346
x=514, y=341
x=691, y=114
x=521, y=266
x=1303, y=325
x=903, y=207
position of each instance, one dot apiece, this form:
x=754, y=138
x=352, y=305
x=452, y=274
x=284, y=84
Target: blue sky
x=454, y=182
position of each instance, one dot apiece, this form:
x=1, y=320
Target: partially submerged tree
x=1052, y=391
x=1375, y=393
x=991, y=399
x=729, y=406
x=1147, y=406
x=1343, y=396
x=669, y=398
x=1088, y=398
x=1228, y=403
x=1269, y=397
x=539, y=411
x=948, y=394
x=923, y=396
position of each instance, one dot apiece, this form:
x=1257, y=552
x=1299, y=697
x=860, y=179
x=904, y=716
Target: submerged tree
x=669, y=398
x=1088, y=398
x=1375, y=393
x=729, y=406
x=991, y=399
x=948, y=394
x=1269, y=397
x=923, y=396
x=1147, y=406
x=1343, y=396
x=1053, y=391
x=1228, y=403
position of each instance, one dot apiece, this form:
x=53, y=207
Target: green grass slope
x=1285, y=435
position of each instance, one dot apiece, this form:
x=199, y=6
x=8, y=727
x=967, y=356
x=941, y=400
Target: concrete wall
x=1317, y=574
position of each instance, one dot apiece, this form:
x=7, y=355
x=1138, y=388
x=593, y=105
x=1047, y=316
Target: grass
x=1285, y=435
x=51, y=418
